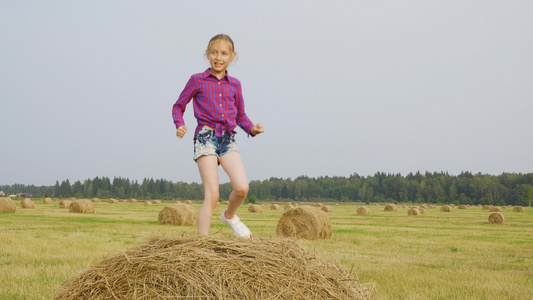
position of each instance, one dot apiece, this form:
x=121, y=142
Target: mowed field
x=439, y=255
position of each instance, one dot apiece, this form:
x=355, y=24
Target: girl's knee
x=242, y=190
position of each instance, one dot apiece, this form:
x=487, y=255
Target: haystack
x=518, y=209
x=27, y=203
x=47, y=200
x=211, y=268
x=318, y=204
x=147, y=203
x=156, y=201
x=132, y=201
x=82, y=207
x=362, y=211
x=7, y=205
x=486, y=207
x=422, y=210
x=64, y=203
x=496, y=218
x=178, y=214
x=95, y=200
x=463, y=207
x=188, y=202
x=224, y=202
x=274, y=206
x=326, y=208
x=446, y=208
x=111, y=200
x=304, y=222
x=255, y=208
x=414, y=211
x=495, y=209
x=287, y=207
x=391, y=207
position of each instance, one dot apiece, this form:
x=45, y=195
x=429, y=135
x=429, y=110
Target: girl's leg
x=234, y=167
x=208, y=167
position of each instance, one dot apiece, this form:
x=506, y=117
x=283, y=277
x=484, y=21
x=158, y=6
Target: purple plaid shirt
x=217, y=103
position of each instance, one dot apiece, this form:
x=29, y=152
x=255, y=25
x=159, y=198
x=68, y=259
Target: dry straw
x=446, y=208
x=463, y=207
x=147, y=203
x=391, y=207
x=214, y=268
x=422, y=210
x=495, y=209
x=414, y=211
x=27, y=203
x=318, y=204
x=327, y=208
x=111, y=200
x=304, y=222
x=188, y=202
x=287, y=207
x=95, y=200
x=255, y=208
x=274, y=206
x=65, y=203
x=132, y=201
x=178, y=214
x=82, y=207
x=156, y=201
x=7, y=205
x=518, y=209
x=362, y=211
x=486, y=207
x=47, y=200
x=496, y=218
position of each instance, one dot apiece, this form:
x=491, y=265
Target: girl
x=218, y=108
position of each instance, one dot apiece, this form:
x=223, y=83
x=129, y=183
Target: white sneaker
x=238, y=227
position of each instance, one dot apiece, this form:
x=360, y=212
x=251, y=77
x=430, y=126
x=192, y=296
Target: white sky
x=342, y=87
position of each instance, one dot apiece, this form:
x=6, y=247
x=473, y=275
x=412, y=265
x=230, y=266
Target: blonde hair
x=223, y=37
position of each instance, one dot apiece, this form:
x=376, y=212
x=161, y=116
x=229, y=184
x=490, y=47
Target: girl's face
x=220, y=55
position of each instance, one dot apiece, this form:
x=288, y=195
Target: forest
x=436, y=187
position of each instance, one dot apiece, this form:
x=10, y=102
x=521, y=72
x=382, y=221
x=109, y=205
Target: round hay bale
x=463, y=207
x=7, y=205
x=274, y=207
x=446, y=208
x=47, y=200
x=178, y=214
x=287, y=207
x=64, y=203
x=147, y=203
x=156, y=201
x=82, y=207
x=255, y=208
x=214, y=268
x=496, y=218
x=391, y=207
x=495, y=209
x=414, y=211
x=424, y=206
x=318, y=204
x=422, y=210
x=132, y=201
x=111, y=200
x=188, y=202
x=518, y=209
x=27, y=203
x=93, y=200
x=224, y=202
x=326, y=208
x=304, y=222
x=362, y=211
x=486, y=207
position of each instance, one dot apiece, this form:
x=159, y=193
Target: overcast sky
x=342, y=87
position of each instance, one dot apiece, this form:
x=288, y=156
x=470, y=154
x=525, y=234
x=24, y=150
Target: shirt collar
x=230, y=79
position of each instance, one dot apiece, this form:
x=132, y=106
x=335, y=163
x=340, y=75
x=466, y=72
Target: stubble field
x=439, y=255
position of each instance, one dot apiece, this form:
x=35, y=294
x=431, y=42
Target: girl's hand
x=182, y=130
x=257, y=129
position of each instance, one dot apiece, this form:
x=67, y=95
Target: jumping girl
x=218, y=108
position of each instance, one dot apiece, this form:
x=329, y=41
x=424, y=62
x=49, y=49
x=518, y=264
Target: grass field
x=439, y=255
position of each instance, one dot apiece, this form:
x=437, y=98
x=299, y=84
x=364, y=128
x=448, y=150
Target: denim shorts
x=207, y=142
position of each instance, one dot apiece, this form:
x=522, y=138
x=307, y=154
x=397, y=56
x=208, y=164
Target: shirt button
x=220, y=95
x=220, y=105
x=222, y=114
x=219, y=82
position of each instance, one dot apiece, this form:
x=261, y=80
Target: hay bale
x=318, y=204
x=414, y=211
x=391, y=207
x=422, y=210
x=486, y=207
x=27, y=203
x=274, y=207
x=131, y=201
x=255, y=208
x=82, y=207
x=287, y=207
x=188, y=202
x=93, y=200
x=156, y=201
x=113, y=201
x=362, y=211
x=214, y=268
x=326, y=208
x=147, y=203
x=64, y=203
x=304, y=222
x=495, y=209
x=7, y=205
x=178, y=214
x=47, y=200
x=463, y=207
x=224, y=202
x=518, y=209
x=446, y=208
x=496, y=218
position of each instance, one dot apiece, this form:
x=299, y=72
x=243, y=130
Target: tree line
x=436, y=187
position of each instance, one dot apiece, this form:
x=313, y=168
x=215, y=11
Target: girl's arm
x=178, y=109
x=242, y=119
